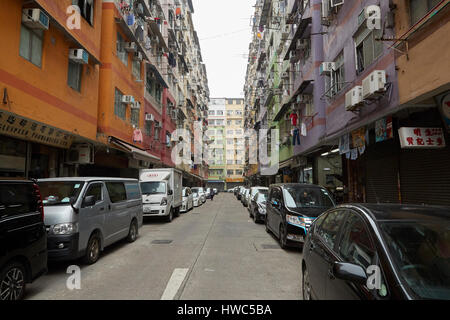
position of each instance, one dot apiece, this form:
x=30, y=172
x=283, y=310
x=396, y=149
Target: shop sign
x=383, y=129
x=235, y=180
x=29, y=130
x=421, y=137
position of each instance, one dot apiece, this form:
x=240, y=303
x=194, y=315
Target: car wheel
x=306, y=285
x=282, y=238
x=169, y=217
x=132, y=234
x=12, y=282
x=92, y=250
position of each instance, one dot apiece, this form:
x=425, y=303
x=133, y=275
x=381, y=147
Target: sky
x=224, y=31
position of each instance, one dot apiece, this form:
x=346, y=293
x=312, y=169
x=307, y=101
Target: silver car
x=201, y=192
x=85, y=215
x=188, y=200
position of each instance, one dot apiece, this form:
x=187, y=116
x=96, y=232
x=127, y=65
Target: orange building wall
x=42, y=93
x=427, y=70
x=114, y=74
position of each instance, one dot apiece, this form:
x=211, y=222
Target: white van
x=162, y=192
x=83, y=215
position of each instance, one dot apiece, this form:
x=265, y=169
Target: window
x=419, y=8
x=238, y=112
x=335, y=82
x=230, y=172
x=230, y=101
x=211, y=112
x=119, y=107
x=238, y=122
x=356, y=246
x=135, y=114
x=230, y=141
x=220, y=112
x=74, y=75
x=211, y=122
x=31, y=45
x=116, y=191
x=136, y=69
x=367, y=48
x=86, y=9
x=148, y=128
x=229, y=123
x=16, y=199
x=122, y=54
x=157, y=130
x=329, y=228
x=230, y=132
x=229, y=161
x=168, y=138
x=96, y=191
x=239, y=131
x=229, y=112
x=239, y=172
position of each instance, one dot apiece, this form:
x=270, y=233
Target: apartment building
x=356, y=94
x=102, y=97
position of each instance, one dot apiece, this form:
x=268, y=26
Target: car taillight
x=37, y=193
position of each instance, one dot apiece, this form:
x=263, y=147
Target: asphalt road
x=212, y=252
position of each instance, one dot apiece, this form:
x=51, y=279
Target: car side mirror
x=349, y=272
x=170, y=192
x=89, y=201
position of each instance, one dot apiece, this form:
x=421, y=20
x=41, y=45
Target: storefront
x=31, y=149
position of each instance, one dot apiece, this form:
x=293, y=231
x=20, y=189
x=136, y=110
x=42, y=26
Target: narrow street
x=227, y=256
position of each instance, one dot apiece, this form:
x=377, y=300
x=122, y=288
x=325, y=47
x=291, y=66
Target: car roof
x=390, y=211
x=87, y=179
x=306, y=185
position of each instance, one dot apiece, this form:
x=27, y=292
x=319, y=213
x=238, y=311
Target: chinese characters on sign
x=29, y=130
x=421, y=137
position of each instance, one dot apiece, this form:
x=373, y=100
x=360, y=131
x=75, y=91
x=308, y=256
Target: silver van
x=84, y=215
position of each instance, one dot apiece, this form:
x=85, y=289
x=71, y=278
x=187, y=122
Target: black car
x=378, y=251
x=23, y=238
x=257, y=205
x=291, y=209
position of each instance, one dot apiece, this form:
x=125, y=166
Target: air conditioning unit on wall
x=35, y=19
x=79, y=56
x=80, y=154
x=327, y=67
x=353, y=98
x=374, y=84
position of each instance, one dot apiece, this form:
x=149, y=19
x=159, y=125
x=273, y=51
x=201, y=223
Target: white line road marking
x=174, y=283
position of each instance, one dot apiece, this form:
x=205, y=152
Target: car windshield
x=184, y=192
x=59, y=192
x=307, y=197
x=255, y=191
x=153, y=187
x=262, y=196
x=197, y=190
x=421, y=253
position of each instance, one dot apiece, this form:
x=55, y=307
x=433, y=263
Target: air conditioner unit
x=136, y=105
x=130, y=47
x=35, y=19
x=286, y=32
x=325, y=9
x=327, y=67
x=353, y=98
x=81, y=154
x=128, y=99
x=302, y=43
x=158, y=125
x=373, y=84
x=285, y=75
x=149, y=117
x=335, y=3
x=137, y=56
x=79, y=56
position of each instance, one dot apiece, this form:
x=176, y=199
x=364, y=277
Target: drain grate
x=270, y=246
x=161, y=241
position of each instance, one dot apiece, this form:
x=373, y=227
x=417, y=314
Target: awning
x=303, y=31
x=286, y=163
x=137, y=153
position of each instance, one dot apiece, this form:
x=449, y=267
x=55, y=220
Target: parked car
x=162, y=192
x=201, y=192
x=188, y=200
x=233, y=190
x=239, y=193
x=85, y=215
x=257, y=205
x=215, y=191
x=23, y=238
x=196, y=198
x=236, y=191
x=253, y=191
x=291, y=209
x=378, y=251
x=208, y=193
x=244, y=197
